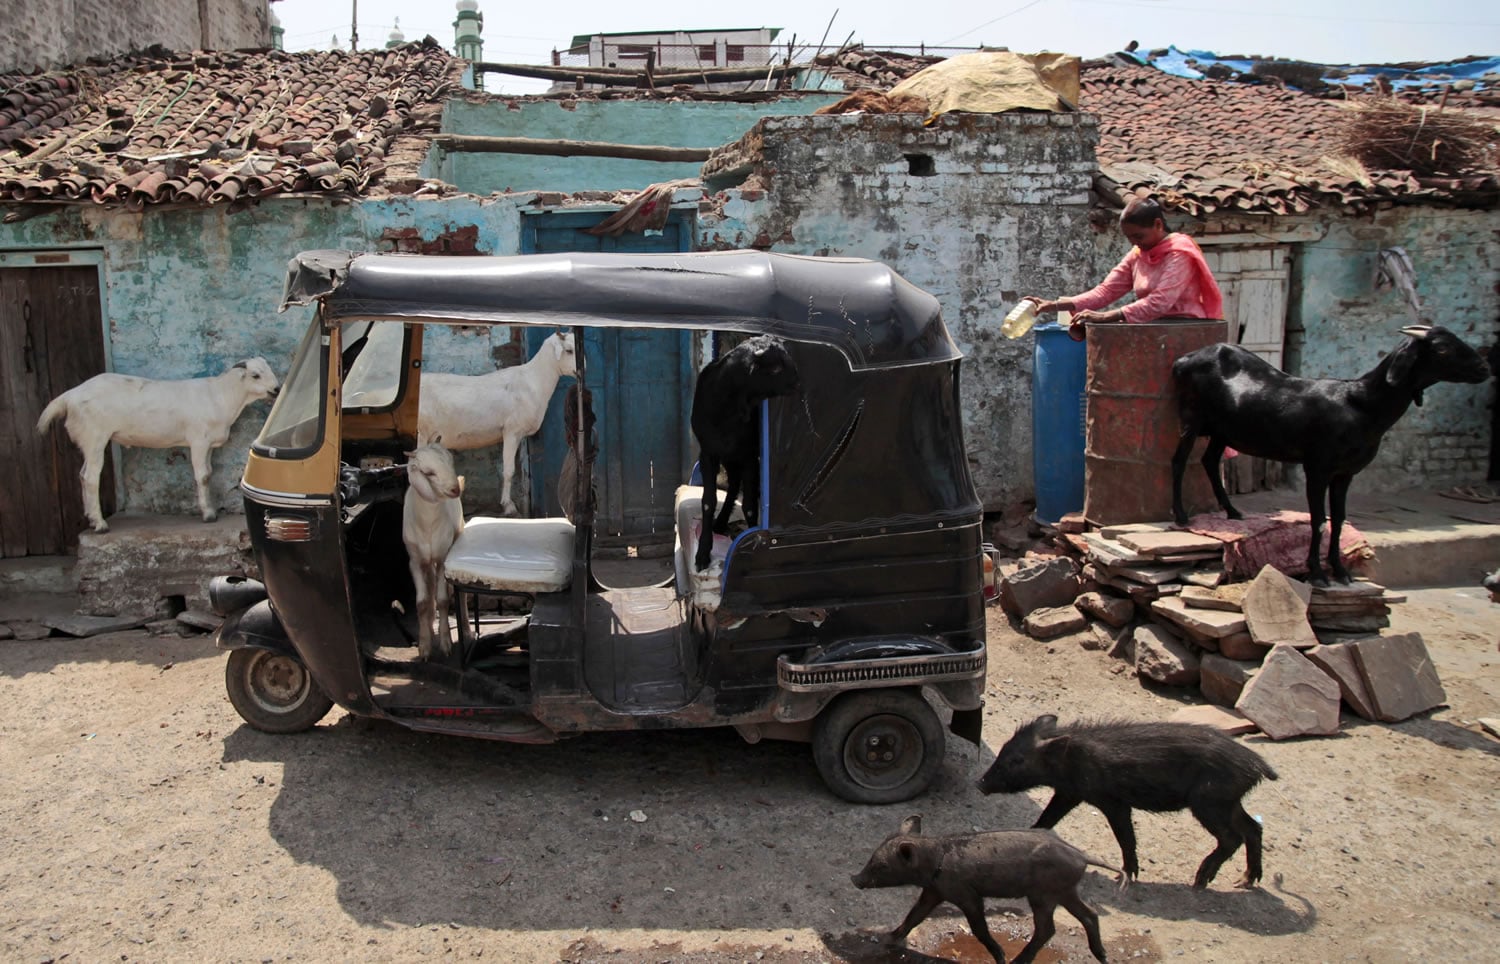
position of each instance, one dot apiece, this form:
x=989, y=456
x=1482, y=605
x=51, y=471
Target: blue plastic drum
x=1058, y=365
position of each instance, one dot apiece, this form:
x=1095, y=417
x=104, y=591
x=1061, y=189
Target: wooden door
x=51, y=339
x=642, y=383
x=1255, y=280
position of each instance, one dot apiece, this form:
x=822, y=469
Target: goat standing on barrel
x=431, y=519
x=1331, y=426
x=476, y=411
x=145, y=412
x=725, y=419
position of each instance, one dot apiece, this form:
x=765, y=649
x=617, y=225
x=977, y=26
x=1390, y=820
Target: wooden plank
x=74, y=345
x=23, y=379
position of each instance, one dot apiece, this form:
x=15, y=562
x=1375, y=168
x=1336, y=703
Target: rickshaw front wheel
x=273, y=692
x=878, y=746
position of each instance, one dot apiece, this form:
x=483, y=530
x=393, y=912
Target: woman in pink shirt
x=1165, y=270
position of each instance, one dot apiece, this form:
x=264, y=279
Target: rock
x=1491, y=725
x=1291, y=697
x=1276, y=610
x=1015, y=538
x=6, y=632
x=1111, y=553
x=1228, y=598
x=1242, y=646
x=199, y=620
x=1110, y=609
x=1150, y=575
x=1221, y=680
x=1050, y=621
x=1116, y=531
x=1162, y=657
x=1230, y=721
x=1053, y=583
x=1338, y=662
x=83, y=626
x=28, y=631
x=1124, y=646
x=1072, y=522
x=166, y=627
x=1207, y=578
x=1209, y=622
x=1399, y=676
x=1169, y=543
x=1352, y=624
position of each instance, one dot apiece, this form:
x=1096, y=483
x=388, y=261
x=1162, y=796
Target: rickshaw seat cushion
x=702, y=588
x=512, y=555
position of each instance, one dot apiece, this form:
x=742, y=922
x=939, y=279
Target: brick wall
x=978, y=209
x=54, y=33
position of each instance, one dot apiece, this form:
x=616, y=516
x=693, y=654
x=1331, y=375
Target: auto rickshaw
x=851, y=616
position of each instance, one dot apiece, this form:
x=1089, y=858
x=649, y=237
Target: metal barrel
x=1132, y=425
x=1057, y=422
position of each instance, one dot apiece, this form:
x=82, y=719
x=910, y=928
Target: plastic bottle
x=1020, y=319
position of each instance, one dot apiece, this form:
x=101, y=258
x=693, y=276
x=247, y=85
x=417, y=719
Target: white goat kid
x=474, y=411
x=431, y=519
x=147, y=413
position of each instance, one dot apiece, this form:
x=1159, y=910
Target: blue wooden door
x=642, y=381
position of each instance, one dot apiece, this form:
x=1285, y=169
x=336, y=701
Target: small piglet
x=964, y=869
x=1116, y=766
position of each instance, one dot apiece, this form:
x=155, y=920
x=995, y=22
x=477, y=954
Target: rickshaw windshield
x=294, y=427
x=372, y=363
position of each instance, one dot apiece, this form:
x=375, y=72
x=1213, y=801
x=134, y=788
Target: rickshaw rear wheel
x=878, y=746
x=273, y=692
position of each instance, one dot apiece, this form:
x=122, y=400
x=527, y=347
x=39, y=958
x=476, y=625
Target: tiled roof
x=219, y=127
x=1212, y=145
x=1208, y=145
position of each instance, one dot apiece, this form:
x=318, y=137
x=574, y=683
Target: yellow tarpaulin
x=991, y=82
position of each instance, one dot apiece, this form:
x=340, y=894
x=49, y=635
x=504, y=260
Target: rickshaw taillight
x=289, y=528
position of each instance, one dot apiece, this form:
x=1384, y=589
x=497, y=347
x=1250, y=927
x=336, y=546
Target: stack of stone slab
x=1146, y=561
x=1252, y=648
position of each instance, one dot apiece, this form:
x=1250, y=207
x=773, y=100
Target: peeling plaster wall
x=683, y=123
x=187, y=292
x=1340, y=326
x=997, y=208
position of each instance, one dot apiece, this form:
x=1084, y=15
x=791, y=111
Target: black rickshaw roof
x=863, y=308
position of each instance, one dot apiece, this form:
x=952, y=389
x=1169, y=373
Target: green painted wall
x=188, y=292
x=1340, y=325
x=685, y=123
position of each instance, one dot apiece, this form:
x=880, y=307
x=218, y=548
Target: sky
x=1322, y=31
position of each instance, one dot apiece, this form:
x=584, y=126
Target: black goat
x=726, y=408
x=1331, y=426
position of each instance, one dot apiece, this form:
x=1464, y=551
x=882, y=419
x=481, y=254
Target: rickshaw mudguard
x=254, y=628
x=307, y=579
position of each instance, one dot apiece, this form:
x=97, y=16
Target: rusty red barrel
x=1131, y=428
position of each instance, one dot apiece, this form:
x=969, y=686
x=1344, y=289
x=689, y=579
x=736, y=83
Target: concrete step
x=1420, y=537
x=145, y=558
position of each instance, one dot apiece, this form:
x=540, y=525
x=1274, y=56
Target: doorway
x=641, y=379
x=51, y=339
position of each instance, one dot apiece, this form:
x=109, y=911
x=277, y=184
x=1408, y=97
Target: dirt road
x=145, y=823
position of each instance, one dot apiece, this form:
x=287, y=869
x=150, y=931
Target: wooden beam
x=626, y=77
x=479, y=144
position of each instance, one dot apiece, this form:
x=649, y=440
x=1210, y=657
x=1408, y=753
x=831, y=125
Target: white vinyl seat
x=512, y=555
x=702, y=588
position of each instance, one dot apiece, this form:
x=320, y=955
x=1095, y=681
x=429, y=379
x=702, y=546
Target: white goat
x=431, y=519
x=473, y=411
x=144, y=412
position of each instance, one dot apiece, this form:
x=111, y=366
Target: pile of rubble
x=1272, y=653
